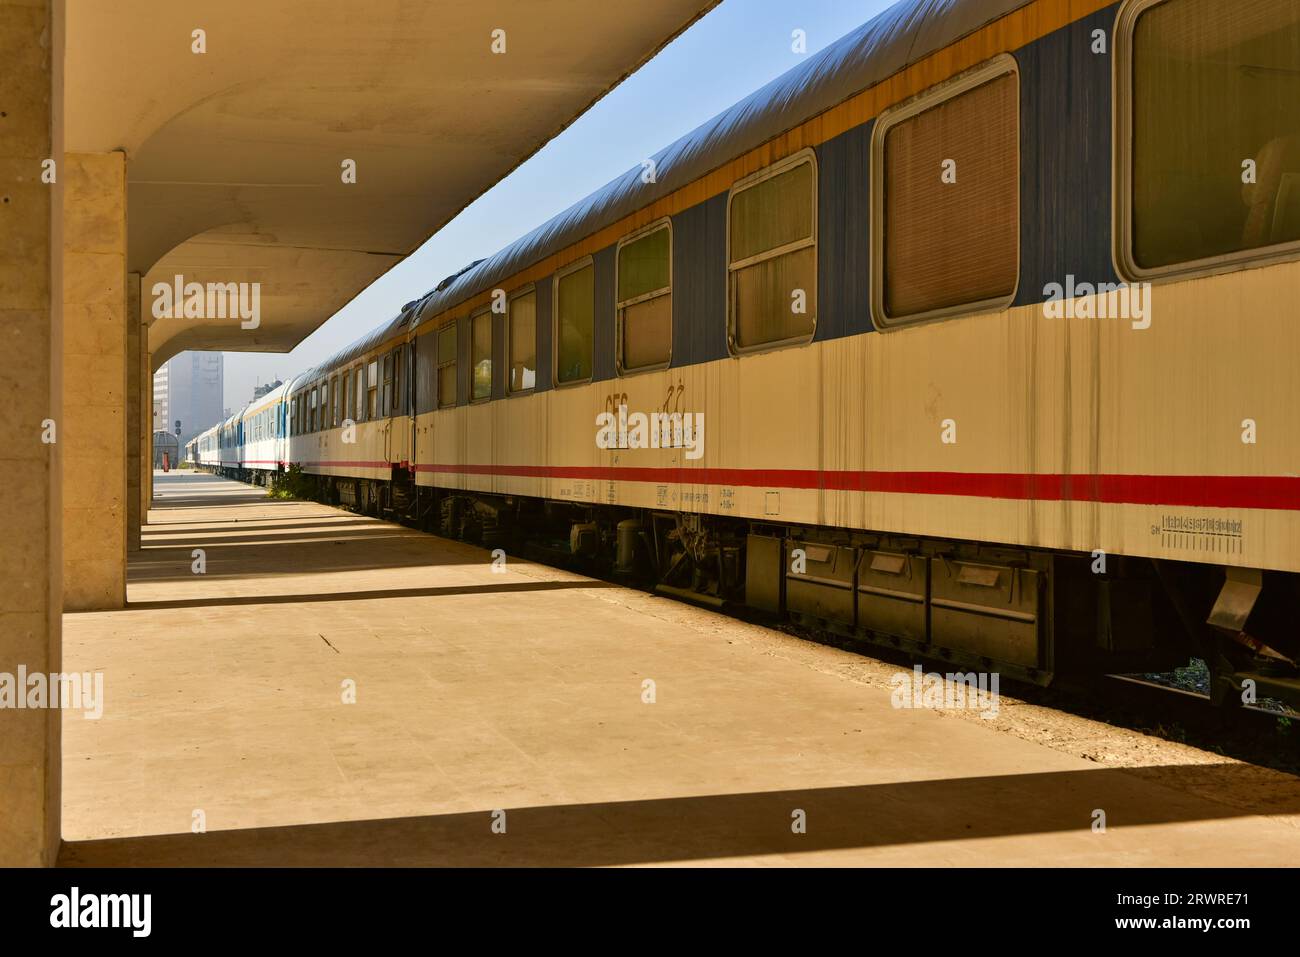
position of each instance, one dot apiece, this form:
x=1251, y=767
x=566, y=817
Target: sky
x=723, y=57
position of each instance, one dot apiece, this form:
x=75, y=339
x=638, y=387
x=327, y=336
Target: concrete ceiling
x=234, y=156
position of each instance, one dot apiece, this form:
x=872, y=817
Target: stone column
x=93, y=430
x=134, y=415
x=146, y=435
x=29, y=380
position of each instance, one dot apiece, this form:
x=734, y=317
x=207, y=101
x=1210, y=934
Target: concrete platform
x=522, y=690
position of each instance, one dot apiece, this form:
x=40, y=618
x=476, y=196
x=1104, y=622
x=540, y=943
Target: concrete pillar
x=134, y=415
x=147, y=474
x=146, y=427
x=93, y=431
x=29, y=508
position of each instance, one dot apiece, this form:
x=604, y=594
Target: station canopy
x=237, y=155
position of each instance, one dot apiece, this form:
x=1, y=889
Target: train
x=973, y=335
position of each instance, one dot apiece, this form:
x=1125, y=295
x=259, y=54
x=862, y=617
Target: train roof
x=274, y=395
x=893, y=40
x=374, y=337
x=905, y=33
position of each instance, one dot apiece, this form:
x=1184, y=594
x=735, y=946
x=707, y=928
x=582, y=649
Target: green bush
x=292, y=483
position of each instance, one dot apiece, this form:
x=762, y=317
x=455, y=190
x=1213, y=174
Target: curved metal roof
x=898, y=37
x=374, y=337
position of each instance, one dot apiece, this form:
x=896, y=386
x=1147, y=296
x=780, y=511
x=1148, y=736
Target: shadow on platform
x=704, y=828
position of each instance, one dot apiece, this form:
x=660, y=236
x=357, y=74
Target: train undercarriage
x=1029, y=614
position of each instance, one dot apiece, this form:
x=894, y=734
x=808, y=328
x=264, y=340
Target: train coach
x=972, y=335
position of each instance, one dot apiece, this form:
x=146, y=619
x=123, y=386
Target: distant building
x=261, y=390
x=161, y=379
x=188, y=388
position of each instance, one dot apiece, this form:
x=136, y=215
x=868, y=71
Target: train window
x=447, y=366
x=386, y=407
x=311, y=404
x=523, y=340
x=325, y=405
x=359, y=393
x=946, y=199
x=398, y=405
x=575, y=308
x=772, y=255
x=372, y=388
x=481, y=354
x=1208, y=134
x=345, y=384
x=645, y=300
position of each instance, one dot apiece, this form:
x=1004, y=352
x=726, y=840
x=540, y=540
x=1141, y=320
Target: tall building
x=188, y=388
x=160, y=407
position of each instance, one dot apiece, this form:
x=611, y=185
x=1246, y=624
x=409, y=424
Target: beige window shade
x=773, y=258
x=645, y=305
x=648, y=333
x=949, y=244
x=481, y=354
x=447, y=366
x=1215, y=84
x=764, y=298
x=574, y=312
x=523, y=342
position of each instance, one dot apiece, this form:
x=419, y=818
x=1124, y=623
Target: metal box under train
x=1026, y=612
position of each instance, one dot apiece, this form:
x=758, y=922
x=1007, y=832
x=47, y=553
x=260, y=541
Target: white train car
x=948, y=363
x=264, y=426
x=350, y=425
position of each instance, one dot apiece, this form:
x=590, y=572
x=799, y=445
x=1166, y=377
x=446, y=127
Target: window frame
x=439, y=365
x=772, y=170
x=491, y=325
x=399, y=361
x=576, y=266
x=514, y=294
x=386, y=363
x=950, y=89
x=665, y=222
x=1122, y=229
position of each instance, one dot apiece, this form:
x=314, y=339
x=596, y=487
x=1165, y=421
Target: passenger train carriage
x=972, y=335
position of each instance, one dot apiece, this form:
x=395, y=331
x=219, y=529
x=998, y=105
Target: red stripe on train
x=1203, y=491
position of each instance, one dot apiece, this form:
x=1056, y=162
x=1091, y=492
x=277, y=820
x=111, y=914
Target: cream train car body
x=349, y=421
x=265, y=436
x=993, y=358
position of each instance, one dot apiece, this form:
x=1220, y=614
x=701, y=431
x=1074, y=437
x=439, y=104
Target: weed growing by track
x=292, y=484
